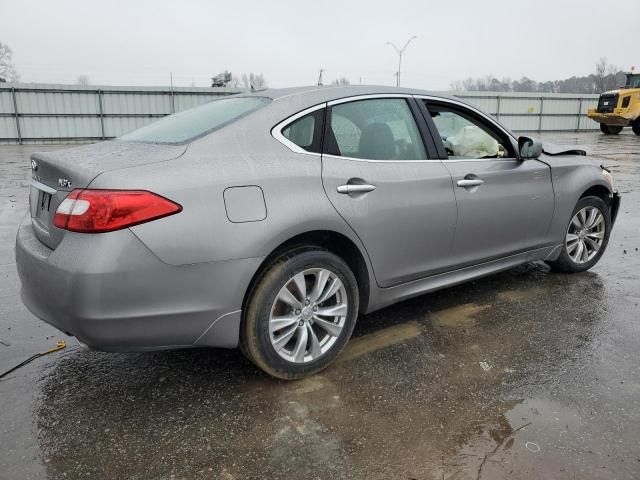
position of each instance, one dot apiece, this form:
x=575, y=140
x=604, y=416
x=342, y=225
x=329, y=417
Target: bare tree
x=255, y=81
x=604, y=76
x=484, y=84
x=83, y=80
x=341, y=81
x=235, y=81
x=7, y=70
x=457, y=86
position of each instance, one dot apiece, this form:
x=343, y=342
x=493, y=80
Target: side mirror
x=529, y=148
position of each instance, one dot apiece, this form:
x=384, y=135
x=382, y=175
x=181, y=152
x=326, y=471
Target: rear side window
x=306, y=132
x=377, y=129
x=195, y=122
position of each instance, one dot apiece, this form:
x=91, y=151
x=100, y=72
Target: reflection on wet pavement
x=525, y=374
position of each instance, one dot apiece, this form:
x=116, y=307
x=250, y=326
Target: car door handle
x=469, y=182
x=355, y=188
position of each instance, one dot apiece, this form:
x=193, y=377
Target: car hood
x=553, y=149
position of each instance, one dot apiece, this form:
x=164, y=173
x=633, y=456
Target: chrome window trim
x=479, y=112
x=486, y=159
x=373, y=96
x=469, y=107
x=368, y=97
x=429, y=160
x=276, y=132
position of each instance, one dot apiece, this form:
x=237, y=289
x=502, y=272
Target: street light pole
x=400, y=51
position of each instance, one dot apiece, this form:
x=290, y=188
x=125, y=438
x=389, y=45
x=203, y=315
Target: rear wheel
x=635, y=126
x=610, y=129
x=586, y=237
x=301, y=314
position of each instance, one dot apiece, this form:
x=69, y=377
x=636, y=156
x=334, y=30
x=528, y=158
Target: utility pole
x=173, y=105
x=320, y=77
x=400, y=51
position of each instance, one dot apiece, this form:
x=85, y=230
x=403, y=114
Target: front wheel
x=586, y=236
x=301, y=314
x=635, y=126
x=610, y=129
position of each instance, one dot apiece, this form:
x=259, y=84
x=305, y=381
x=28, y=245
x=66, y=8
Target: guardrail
x=34, y=113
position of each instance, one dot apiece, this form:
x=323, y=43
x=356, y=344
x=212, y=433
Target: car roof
x=318, y=94
x=288, y=101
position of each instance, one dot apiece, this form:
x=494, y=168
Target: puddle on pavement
x=408, y=398
x=458, y=316
x=520, y=295
x=534, y=438
x=378, y=340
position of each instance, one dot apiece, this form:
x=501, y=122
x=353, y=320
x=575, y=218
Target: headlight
x=609, y=178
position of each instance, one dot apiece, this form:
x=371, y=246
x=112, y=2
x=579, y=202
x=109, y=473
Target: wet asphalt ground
x=526, y=374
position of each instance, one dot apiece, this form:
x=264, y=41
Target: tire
x=266, y=332
x=635, y=126
x=567, y=261
x=610, y=129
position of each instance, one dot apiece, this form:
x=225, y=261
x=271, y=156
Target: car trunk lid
x=56, y=173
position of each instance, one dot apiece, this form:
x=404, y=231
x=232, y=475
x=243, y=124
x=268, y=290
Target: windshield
x=633, y=81
x=195, y=122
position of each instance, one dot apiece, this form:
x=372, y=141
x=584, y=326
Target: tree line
x=605, y=77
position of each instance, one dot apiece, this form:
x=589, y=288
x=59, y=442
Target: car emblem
x=34, y=166
x=64, y=182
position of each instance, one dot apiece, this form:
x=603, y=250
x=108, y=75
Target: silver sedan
x=271, y=220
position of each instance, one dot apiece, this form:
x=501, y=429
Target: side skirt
x=383, y=297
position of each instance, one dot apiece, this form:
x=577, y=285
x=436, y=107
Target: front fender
x=571, y=180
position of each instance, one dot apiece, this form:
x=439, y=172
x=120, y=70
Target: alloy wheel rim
x=585, y=234
x=308, y=315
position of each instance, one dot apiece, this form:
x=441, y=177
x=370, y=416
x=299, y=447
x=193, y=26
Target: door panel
x=509, y=212
x=377, y=175
x=406, y=224
x=505, y=205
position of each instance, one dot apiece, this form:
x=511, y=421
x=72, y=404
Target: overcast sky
x=138, y=42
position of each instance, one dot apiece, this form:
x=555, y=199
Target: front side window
x=376, y=129
x=465, y=137
x=187, y=125
x=306, y=132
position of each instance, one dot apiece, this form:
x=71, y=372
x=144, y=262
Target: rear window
x=195, y=122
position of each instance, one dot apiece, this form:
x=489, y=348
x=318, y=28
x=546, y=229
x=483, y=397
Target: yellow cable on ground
x=59, y=346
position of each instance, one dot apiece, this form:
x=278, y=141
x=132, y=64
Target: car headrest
x=377, y=142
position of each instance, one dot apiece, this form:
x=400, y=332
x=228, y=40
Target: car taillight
x=97, y=211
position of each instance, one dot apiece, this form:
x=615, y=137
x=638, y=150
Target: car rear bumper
x=113, y=293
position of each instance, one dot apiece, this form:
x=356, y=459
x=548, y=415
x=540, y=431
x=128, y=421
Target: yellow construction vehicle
x=619, y=108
